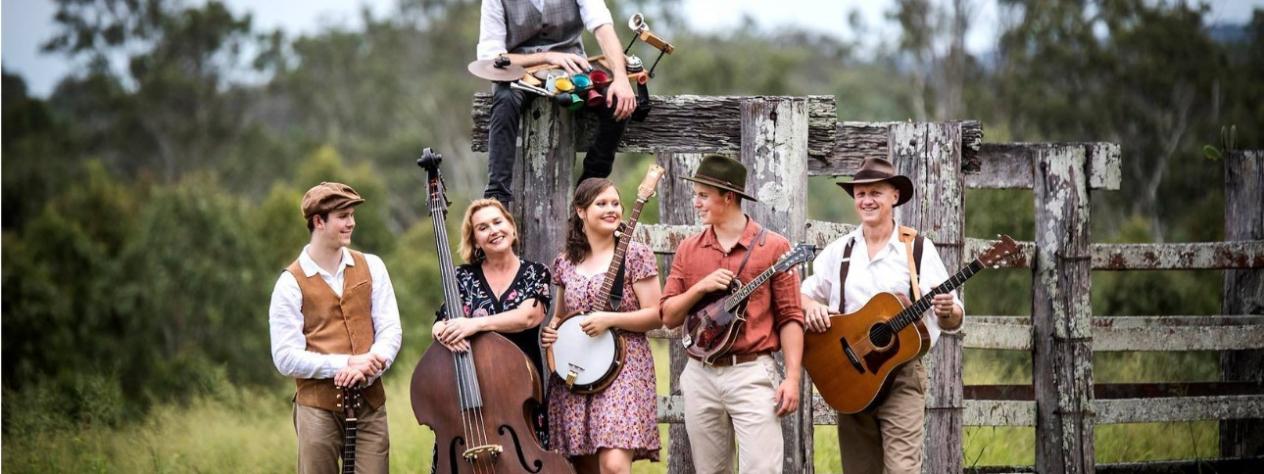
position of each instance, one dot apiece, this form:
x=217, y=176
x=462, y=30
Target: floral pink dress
x=624, y=415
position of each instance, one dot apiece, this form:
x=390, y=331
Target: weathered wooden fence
x=784, y=140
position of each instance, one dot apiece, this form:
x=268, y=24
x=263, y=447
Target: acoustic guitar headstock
x=1001, y=251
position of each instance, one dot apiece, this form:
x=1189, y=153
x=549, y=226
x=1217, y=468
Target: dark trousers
x=502, y=143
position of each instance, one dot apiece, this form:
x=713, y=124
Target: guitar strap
x=913, y=245
x=908, y=235
x=750, y=248
x=842, y=276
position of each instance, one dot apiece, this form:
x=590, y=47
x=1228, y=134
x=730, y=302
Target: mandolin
x=715, y=323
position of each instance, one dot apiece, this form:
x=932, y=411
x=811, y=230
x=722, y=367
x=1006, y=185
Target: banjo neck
x=644, y=192
x=617, y=260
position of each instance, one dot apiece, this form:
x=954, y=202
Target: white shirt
x=492, y=32
x=887, y=272
x=285, y=318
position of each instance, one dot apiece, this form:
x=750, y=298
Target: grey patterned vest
x=557, y=28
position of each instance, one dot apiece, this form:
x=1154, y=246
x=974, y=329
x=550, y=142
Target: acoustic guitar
x=351, y=401
x=851, y=363
x=715, y=323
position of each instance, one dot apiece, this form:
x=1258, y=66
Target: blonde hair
x=469, y=248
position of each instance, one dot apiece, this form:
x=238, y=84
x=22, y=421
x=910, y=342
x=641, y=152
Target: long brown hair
x=577, y=248
x=468, y=248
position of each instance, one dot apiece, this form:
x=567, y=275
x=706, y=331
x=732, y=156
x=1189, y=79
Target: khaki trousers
x=888, y=438
x=320, y=440
x=723, y=401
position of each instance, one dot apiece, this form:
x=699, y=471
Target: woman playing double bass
x=500, y=291
x=608, y=430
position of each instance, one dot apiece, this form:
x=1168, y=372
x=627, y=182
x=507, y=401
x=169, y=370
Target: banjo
x=588, y=364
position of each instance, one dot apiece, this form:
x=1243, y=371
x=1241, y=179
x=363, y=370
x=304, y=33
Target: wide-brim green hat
x=876, y=170
x=724, y=173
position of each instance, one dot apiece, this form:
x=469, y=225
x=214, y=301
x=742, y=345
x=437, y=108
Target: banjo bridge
x=572, y=374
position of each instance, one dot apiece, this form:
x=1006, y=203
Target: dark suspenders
x=846, y=265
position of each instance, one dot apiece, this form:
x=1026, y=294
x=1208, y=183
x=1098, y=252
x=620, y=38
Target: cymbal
x=486, y=69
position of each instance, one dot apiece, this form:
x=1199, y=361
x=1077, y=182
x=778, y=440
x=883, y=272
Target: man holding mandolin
x=886, y=433
x=736, y=392
x=334, y=324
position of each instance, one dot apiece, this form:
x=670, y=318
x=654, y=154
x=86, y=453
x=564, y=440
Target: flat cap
x=325, y=197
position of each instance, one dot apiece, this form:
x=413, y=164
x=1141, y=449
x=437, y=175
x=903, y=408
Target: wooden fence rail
x=783, y=140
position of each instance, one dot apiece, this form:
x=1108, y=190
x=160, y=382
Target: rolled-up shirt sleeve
x=934, y=274
x=289, y=347
x=787, y=306
x=492, y=30
x=818, y=285
x=594, y=13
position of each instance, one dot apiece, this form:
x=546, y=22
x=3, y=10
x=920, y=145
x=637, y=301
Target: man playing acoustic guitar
x=875, y=258
x=739, y=392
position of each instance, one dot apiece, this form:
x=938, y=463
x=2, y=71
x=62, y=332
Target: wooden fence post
x=1062, y=350
x=1243, y=292
x=542, y=181
x=775, y=152
x=930, y=155
x=673, y=198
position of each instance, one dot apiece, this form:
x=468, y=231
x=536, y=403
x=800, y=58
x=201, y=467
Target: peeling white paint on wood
x=1128, y=333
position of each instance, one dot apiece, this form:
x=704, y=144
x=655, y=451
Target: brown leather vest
x=334, y=325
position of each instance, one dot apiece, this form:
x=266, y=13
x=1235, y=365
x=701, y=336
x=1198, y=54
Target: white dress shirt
x=887, y=272
x=285, y=318
x=492, y=33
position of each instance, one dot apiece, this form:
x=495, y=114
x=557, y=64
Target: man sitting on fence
x=739, y=392
x=888, y=437
x=535, y=32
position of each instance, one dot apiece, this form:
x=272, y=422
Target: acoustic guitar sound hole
x=880, y=335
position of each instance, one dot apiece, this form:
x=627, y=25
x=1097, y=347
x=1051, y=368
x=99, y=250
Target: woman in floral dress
x=606, y=431
x=499, y=291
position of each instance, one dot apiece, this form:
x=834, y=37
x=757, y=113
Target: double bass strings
x=467, y=382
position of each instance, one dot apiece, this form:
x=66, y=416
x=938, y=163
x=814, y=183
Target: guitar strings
x=910, y=314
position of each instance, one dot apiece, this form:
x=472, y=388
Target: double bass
x=478, y=401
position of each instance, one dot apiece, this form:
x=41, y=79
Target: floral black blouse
x=478, y=299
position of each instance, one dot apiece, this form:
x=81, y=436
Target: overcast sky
x=27, y=23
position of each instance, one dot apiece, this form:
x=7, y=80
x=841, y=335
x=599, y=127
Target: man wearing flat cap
x=335, y=324
x=877, y=257
x=740, y=394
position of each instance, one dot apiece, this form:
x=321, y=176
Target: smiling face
x=493, y=232
x=603, y=215
x=336, y=228
x=713, y=204
x=874, y=202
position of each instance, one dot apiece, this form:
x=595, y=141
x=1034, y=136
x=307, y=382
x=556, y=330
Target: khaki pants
x=888, y=438
x=723, y=401
x=320, y=440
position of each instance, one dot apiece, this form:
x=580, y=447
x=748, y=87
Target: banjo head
x=588, y=359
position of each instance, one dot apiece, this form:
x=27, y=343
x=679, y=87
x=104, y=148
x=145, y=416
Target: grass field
x=245, y=431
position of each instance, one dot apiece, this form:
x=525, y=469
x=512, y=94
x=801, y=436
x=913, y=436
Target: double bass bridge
x=478, y=452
